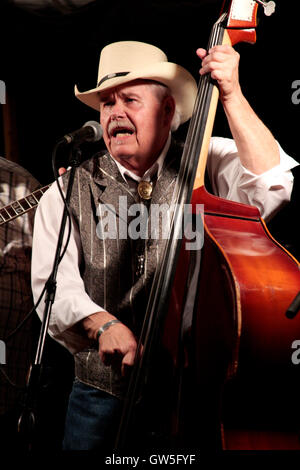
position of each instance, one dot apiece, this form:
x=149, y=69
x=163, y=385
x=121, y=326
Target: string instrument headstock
x=240, y=18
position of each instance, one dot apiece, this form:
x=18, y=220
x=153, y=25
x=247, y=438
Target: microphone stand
x=27, y=420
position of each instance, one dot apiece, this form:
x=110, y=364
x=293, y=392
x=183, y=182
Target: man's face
x=136, y=123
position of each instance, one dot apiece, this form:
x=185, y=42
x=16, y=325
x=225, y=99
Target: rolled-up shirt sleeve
x=268, y=191
x=72, y=303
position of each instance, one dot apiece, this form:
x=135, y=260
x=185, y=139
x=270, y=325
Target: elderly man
x=102, y=285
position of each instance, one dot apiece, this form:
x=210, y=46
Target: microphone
x=91, y=131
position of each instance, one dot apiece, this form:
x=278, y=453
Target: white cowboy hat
x=124, y=61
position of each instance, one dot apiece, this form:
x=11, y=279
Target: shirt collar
x=154, y=169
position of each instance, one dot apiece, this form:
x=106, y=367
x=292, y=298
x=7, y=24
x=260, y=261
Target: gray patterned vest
x=109, y=266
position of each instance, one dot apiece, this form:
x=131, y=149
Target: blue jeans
x=92, y=419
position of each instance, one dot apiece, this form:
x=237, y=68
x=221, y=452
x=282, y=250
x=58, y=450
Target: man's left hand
x=222, y=62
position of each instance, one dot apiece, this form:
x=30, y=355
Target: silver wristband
x=105, y=327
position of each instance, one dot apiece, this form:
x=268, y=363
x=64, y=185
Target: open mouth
x=121, y=132
x=121, y=129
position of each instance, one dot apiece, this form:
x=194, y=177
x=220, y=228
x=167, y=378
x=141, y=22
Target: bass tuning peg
x=269, y=7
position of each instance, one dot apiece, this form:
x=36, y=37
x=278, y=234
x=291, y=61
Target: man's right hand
x=117, y=344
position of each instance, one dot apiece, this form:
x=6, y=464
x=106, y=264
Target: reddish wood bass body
x=242, y=340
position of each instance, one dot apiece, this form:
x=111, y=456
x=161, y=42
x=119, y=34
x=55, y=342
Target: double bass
x=216, y=372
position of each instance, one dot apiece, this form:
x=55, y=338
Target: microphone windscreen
x=97, y=130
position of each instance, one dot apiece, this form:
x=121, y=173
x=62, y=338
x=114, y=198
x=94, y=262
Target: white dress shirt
x=229, y=179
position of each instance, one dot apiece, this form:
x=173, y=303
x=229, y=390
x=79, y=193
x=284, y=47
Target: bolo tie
x=144, y=189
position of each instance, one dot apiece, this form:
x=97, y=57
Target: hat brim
x=181, y=83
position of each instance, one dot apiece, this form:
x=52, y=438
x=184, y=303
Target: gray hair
x=161, y=92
